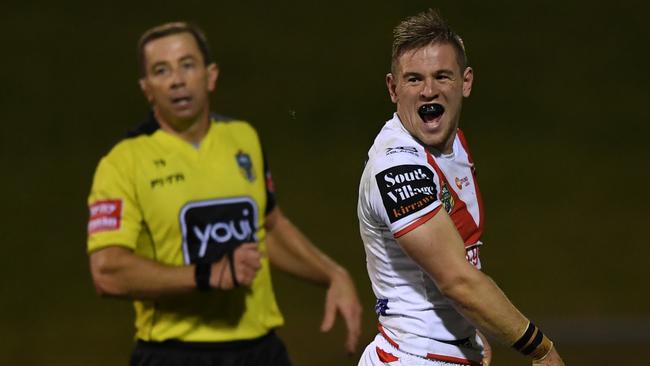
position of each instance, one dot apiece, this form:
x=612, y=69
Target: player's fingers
x=251, y=262
x=247, y=250
x=248, y=246
x=225, y=277
x=247, y=275
x=329, y=317
x=352, y=317
x=248, y=255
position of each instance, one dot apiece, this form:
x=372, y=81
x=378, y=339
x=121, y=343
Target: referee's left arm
x=292, y=252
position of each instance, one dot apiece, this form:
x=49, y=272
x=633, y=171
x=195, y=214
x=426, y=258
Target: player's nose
x=177, y=79
x=428, y=90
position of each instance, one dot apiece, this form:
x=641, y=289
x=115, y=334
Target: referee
x=183, y=221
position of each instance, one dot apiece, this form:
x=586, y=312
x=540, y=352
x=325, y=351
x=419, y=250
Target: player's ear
x=391, y=85
x=213, y=75
x=145, y=89
x=468, y=79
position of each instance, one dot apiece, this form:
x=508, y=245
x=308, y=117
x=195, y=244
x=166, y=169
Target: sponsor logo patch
x=402, y=149
x=105, y=215
x=462, y=182
x=212, y=228
x=406, y=189
x=168, y=180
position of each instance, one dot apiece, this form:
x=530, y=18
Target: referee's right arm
x=118, y=272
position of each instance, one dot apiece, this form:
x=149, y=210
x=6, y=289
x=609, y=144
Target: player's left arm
x=292, y=252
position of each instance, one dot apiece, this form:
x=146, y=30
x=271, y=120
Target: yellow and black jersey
x=180, y=204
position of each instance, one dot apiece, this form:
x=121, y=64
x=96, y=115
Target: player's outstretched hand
x=246, y=261
x=551, y=359
x=342, y=297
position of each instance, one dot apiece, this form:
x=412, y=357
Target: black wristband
x=525, y=338
x=202, y=273
x=233, y=273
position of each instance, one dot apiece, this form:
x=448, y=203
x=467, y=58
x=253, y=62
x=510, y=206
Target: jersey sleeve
x=403, y=192
x=270, y=187
x=114, y=215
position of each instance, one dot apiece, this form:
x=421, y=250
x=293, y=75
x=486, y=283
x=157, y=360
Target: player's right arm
x=114, y=227
x=118, y=272
x=401, y=191
x=438, y=249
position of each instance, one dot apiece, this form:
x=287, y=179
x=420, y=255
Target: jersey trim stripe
x=383, y=333
x=461, y=217
x=462, y=361
x=417, y=223
x=479, y=198
x=385, y=356
x=431, y=356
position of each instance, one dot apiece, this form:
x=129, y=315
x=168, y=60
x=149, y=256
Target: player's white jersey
x=403, y=185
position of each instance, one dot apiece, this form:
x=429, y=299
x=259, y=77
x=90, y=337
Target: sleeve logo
x=105, y=216
x=406, y=189
x=402, y=149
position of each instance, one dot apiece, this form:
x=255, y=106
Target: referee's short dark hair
x=168, y=29
x=422, y=30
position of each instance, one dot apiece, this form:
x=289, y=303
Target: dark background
x=557, y=122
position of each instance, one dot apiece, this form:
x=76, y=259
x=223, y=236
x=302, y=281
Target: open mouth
x=181, y=101
x=430, y=112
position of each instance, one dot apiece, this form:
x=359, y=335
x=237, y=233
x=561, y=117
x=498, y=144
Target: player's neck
x=193, y=131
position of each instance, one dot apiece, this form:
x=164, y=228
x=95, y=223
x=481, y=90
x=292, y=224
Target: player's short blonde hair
x=422, y=30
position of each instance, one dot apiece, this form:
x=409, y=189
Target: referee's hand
x=246, y=261
x=342, y=297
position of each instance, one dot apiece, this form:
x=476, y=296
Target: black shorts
x=267, y=350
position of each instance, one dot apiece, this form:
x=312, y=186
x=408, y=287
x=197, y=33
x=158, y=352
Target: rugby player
x=421, y=218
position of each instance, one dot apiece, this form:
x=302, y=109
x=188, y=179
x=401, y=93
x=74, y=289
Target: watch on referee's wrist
x=202, y=272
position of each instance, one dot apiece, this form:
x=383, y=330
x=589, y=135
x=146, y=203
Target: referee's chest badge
x=245, y=165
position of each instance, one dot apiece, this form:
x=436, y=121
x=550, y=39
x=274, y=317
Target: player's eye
x=188, y=65
x=160, y=70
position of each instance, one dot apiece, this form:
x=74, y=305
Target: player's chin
x=433, y=138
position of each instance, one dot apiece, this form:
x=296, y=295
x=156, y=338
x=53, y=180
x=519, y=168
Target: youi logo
x=211, y=228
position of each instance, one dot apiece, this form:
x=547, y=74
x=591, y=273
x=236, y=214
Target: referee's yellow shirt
x=178, y=204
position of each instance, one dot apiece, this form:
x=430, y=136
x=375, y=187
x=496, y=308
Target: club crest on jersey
x=447, y=198
x=213, y=227
x=406, y=189
x=245, y=165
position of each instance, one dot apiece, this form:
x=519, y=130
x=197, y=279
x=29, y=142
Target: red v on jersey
x=465, y=223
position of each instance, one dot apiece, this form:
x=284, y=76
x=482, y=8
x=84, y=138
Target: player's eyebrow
x=444, y=71
x=159, y=63
x=187, y=57
x=411, y=73
x=183, y=58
